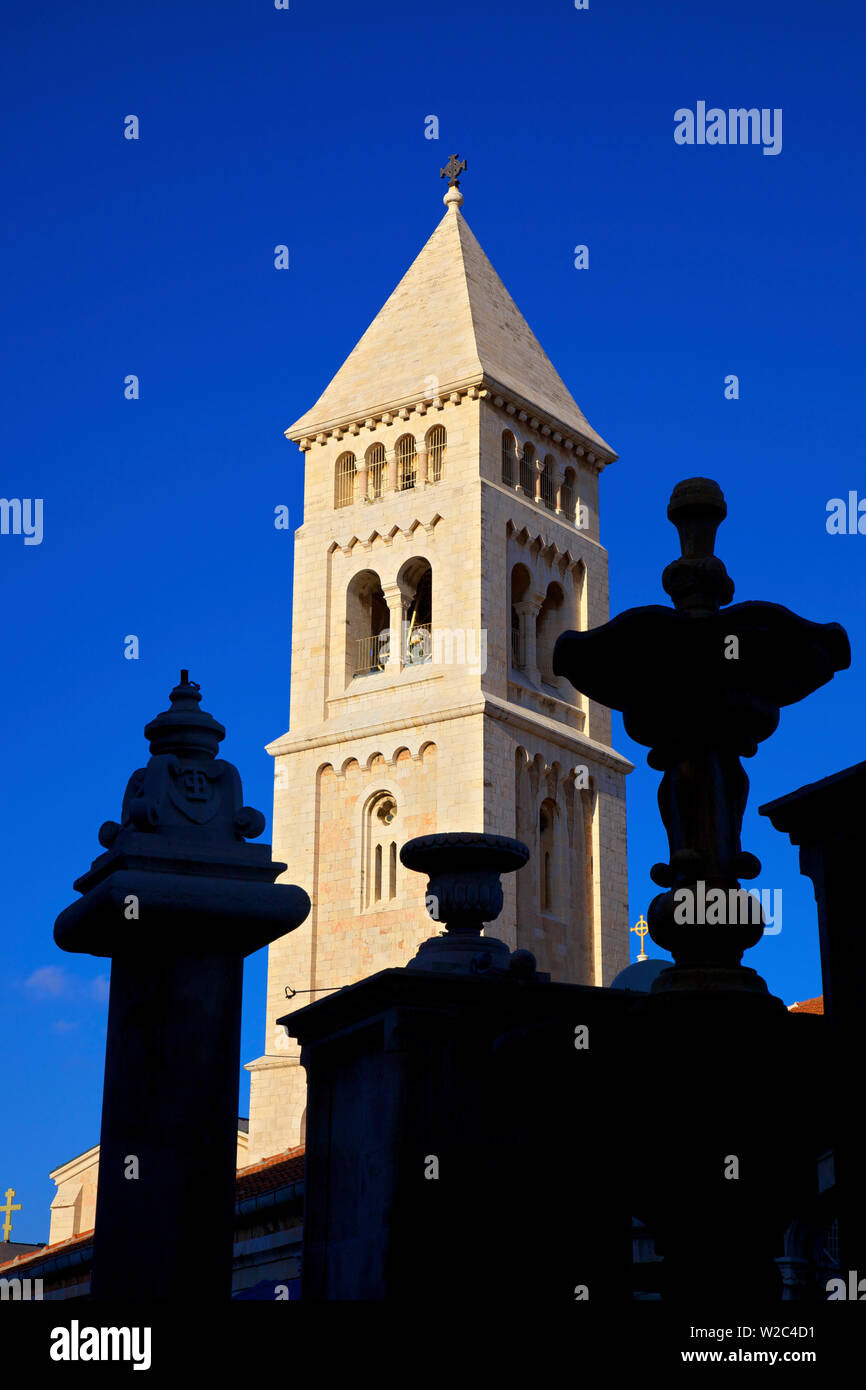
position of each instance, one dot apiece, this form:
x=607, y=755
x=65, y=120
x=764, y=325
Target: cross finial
x=7, y=1211
x=641, y=926
x=452, y=171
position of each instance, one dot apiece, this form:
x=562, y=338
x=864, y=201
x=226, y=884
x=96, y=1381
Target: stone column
x=527, y=611
x=391, y=465
x=539, y=469
x=395, y=601
x=560, y=481
x=518, y=461
x=176, y=903
x=422, y=453
x=361, y=472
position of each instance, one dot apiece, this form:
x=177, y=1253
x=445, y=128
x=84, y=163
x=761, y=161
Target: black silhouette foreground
x=447, y=1096
x=466, y=1107
x=177, y=901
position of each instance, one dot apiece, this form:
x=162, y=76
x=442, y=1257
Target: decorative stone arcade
x=176, y=902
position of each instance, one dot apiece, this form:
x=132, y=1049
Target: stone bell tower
x=450, y=533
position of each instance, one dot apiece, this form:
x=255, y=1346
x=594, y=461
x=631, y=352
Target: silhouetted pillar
x=177, y=902
x=442, y=1104
x=827, y=820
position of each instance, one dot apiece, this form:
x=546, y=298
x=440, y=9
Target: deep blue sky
x=155, y=257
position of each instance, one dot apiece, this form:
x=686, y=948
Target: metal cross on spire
x=452, y=171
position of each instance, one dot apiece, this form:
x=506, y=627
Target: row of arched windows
x=519, y=470
x=346, y=471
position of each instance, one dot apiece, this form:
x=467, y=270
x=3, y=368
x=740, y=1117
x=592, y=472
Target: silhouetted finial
x=452, y=171
x=185, y=729
x=698, y=582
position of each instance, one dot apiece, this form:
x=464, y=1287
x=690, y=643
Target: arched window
x=344, y=480
x=527, y=470
x=509, y=458
x=368, y=622
x=415, y=579
x=548, y=626
x=375, y=471
x=547, y=488
x=436, y=454
x=407, y=462
x=566, y=495
x=379, y=850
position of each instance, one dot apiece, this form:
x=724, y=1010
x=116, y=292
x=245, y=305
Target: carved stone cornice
x=479, y=386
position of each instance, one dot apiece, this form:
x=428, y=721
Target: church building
x=451, y=532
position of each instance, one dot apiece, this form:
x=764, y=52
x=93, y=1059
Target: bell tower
x=450, y=533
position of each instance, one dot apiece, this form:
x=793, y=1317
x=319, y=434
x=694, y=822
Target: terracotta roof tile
x=47, y=1251
x=271, y=1173
x=808, y=1006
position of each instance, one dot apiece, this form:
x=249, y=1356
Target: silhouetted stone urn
x=465, y=890
x=702, y=685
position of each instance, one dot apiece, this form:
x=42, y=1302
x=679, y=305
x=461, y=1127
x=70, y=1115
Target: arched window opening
x=527, y=470
x=416, y=583
x=436, y=454
x=379, y=850
x=509, y=458
x=375, y=471
x=548, y=626
x=566, y=495
x=407, y=462
x=547, y=486
x=344, y=480
x=368, y=625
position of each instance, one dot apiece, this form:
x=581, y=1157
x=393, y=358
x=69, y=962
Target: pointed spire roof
x=450, y=319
